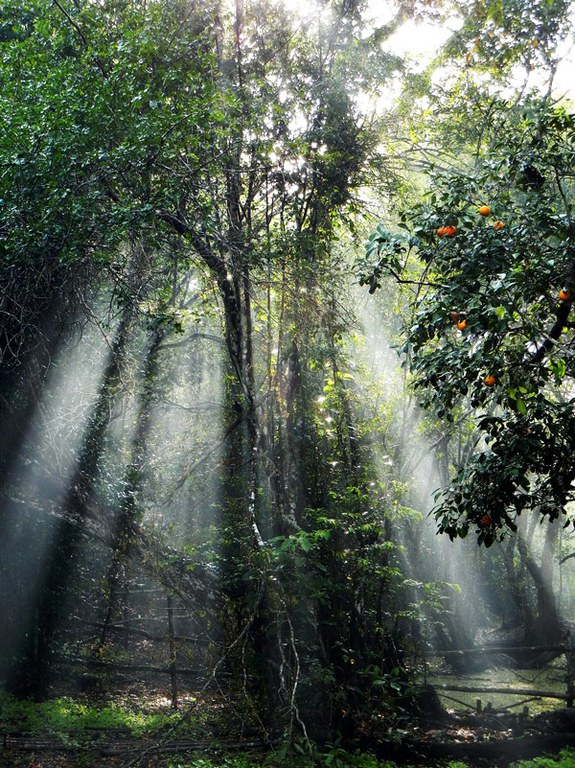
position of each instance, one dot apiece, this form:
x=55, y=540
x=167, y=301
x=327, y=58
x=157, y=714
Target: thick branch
x=562, y=314
x=212, y=260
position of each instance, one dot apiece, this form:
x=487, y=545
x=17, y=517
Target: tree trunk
x=547, y=627
x=127, y=514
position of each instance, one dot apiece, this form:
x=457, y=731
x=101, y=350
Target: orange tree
x=491, y=330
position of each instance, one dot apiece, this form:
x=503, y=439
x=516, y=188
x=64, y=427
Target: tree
x=487, y=246
x=490, y=328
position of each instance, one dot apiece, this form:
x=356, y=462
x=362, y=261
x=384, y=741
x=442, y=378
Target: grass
x=66, y=716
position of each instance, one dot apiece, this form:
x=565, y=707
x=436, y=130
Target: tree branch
x=562, y=314
x=81, y=35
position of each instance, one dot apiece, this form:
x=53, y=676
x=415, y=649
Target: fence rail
x=566, y=648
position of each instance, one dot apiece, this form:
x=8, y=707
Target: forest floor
x=493, y=738
x=200, y=736
x=477, y=740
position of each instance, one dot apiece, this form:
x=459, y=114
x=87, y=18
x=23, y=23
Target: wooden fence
x=567, y=649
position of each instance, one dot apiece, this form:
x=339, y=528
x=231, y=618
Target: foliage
x=200, y=164
x=67, y=717
x=339, y=758
x=335, y=757
x=78, y=179
x=490, y=329
x=225, y=761
x=498, y=36
x=563, y=760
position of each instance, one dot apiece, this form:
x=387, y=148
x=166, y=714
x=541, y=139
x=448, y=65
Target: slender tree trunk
x=547, y=627
x=126, y=517
x=516, y=583
x=173, y=655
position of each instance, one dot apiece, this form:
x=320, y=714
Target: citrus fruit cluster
x=449, y=230
x=564, y=295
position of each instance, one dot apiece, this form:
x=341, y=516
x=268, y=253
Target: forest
x=287, y=383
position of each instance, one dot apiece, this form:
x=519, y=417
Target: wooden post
x=172, y=648
x=478, y=705
x=125, y=607
x=570, y=672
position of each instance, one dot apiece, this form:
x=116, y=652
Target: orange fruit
x=449, y=231
x=462, y=324
x=486, y=520
x=489, y=380
x=441, y=231
x=498, y=224
x=484, y=210
x=565, y=294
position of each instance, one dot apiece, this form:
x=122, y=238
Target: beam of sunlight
x=40, y=481
x=427, y=557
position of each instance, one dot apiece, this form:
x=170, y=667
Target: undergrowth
x=339, y=758
x=70, y=720
x=565, y=759
x=66, y=716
